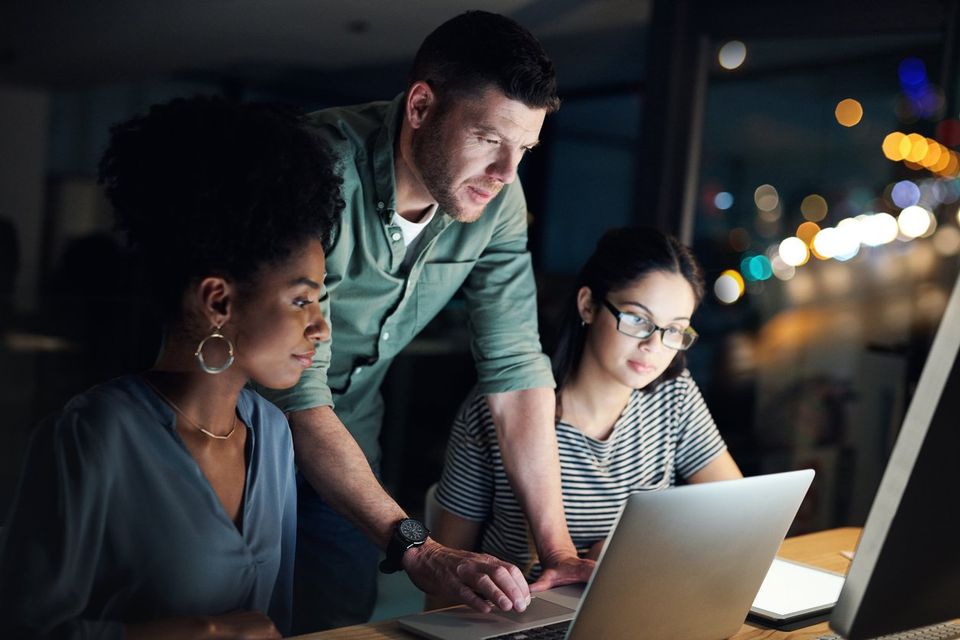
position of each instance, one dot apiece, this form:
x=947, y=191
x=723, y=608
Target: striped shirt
x=659, y=437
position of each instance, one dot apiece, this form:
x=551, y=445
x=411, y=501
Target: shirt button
x=380, y=205
x=396, y=237
x=386, y=335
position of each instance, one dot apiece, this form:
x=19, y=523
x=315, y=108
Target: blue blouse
x=114, y=522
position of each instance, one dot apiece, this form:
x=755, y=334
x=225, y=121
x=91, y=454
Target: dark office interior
x=735, y=125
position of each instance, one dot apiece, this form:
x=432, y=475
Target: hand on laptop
x=476, y=579
x=563, y=570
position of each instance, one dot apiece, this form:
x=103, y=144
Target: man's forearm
x=524, y=422
x=334, y=465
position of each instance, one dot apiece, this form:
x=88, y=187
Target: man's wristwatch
x=406, y=534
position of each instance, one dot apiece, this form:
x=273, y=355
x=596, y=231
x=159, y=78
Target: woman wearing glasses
x=629, y=416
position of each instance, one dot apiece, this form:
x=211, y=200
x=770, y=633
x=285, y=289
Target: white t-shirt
x=411, y=232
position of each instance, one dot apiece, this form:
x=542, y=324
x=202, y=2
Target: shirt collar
x=383, y=159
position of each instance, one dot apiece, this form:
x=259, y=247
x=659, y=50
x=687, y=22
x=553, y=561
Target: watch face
x=413, y=530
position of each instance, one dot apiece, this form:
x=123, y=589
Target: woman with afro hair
x=163, y=504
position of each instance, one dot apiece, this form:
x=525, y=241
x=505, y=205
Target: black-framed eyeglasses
x=642, y=328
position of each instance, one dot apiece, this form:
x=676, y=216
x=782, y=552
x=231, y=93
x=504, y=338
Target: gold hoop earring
x=199, y=352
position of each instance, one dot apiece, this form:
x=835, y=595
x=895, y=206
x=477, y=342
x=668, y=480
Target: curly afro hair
x=207, y=186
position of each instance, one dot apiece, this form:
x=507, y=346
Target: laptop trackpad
x=539, y=609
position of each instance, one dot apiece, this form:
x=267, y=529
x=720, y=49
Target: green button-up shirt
x=376, y=307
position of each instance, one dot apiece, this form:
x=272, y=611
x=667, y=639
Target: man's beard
x=432, y=159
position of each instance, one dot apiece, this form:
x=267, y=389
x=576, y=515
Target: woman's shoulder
x=110, y=401
x=103, y=413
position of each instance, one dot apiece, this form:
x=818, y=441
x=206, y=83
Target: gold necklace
x=193, y=424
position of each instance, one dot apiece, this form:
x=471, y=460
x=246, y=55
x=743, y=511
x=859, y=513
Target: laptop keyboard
x=945, y=631
x=555, y=631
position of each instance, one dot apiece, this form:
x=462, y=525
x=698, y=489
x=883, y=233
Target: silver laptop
x=684, y=563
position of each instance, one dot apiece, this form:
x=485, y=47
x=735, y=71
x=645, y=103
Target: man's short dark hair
x=478, y=49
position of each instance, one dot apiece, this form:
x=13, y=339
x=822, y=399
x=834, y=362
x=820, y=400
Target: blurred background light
x=782, y=270
x=723, y=200
x=814, y=207
x=878, y=229
x=946, y=191
x=825, y=243
x=905, y=194
x=849, y=112
x=732, y=54
x=946, y=241
x=847, y=239
x=913, y=221
x=766, y=197
x=807, y=231
x=728, y=287
x=948, y=132
x=918, y=147
x=794, y=251
x=760, y=268
x=934, y=151
x=912, y=72
x=896, y=146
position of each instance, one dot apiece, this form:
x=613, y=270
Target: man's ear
x=420, y=100
x=215, y=296
x=585, y=305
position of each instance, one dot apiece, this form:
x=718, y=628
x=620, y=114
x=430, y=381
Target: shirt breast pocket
x=437, y=283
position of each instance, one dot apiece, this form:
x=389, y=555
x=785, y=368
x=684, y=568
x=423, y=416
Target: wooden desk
x=820, y=549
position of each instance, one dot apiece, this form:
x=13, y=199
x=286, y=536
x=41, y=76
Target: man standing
x=432, y=205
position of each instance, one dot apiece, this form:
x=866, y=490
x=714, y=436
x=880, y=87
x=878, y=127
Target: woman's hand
x=239, y=625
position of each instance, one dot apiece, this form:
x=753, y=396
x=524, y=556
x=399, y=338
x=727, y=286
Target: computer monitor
x=906, y=571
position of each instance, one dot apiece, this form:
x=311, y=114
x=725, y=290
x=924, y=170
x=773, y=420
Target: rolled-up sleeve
x=501, y=297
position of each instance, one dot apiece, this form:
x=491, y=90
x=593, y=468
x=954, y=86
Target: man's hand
x=563, y=570
x=475, y=579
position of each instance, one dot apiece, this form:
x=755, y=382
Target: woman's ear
x=585, y=305
x=420, y=99
x=215, y=296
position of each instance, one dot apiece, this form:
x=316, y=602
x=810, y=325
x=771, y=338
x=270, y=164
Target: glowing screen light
x=794, y=252
x=914, y=221
x=732, y=54
x=723, y=200
x=849, y=112
x=905, y=194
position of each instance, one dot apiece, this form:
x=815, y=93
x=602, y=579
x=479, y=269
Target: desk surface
x=820, y=549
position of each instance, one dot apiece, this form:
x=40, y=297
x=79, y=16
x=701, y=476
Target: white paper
x=793, y=589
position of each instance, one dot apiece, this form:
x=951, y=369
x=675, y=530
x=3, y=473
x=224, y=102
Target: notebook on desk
x=681, y=564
